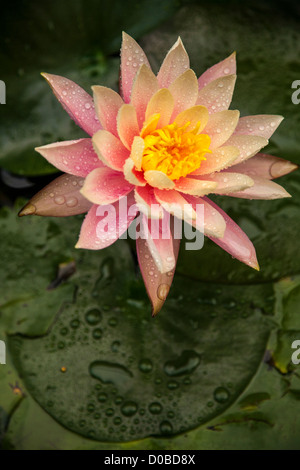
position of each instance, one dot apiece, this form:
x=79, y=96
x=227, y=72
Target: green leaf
x=136, y=376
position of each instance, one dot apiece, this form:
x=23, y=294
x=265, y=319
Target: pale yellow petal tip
x=29, y=209
x=155, y=310
x=125, y=36
x=46, y=76
x=179, y=42
x=96, y=88
x=256, y=266
x=282, y=168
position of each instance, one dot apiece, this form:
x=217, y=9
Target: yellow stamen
x=172, y=149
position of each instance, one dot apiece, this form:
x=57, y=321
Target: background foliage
x=88, y=368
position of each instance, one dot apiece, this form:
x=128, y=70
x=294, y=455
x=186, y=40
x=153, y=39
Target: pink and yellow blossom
x=166, y=141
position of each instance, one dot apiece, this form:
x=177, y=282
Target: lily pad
x=136, y=376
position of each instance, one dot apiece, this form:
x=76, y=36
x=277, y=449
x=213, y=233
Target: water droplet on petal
x=72, y=202
x=162, y=291
x=59, y=200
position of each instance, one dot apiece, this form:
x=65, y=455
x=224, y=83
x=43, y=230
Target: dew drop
x=112, y=322
x=72, y=202
x=115, y=346
x=109, y=372
x=109, y=412
x=117, y=420
x=129, y=408
x=59, y=200
x=102, y=397
x=93, y=317
x=186, y=363
x=145, y=366
x=172, y=385
x=162, y=291
x=166, y=427
x=75, y=323
x=97, y=333
x=221, y=395
x=155, y=408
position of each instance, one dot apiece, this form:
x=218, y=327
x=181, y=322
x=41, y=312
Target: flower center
x=176, y=151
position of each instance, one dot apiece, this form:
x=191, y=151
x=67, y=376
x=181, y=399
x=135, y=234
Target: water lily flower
x=166, y=141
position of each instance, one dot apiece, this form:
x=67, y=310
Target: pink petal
x=219, y=159
x=144, y=87
x=263, y=125
x=214, y=223
x=157, y=233
x=262, y=189
x=147, y=202
x=223, y=68
x=132, y=57
x=110, y=150
x=248, y=145
x=265, y=166
x=127, y=124
x=76, y=157
x=133, y=175
x=156, y=283
x=137, y=149
x=217, y=95
x=176, y=63
x=228, y=182
x=107, y=105
x=196, y=115
x=60, y=198
x=103, y=225
x=185, y=92
x=195, y=187
x=235, y=241
x=150, y=125
x=174, y=203
x=77, y=102
x=162, y=104
x=221, y=126
x=158, y=179
x=105, y=186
